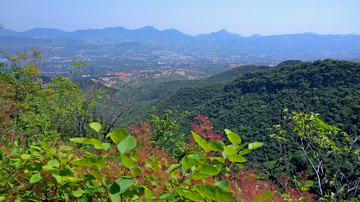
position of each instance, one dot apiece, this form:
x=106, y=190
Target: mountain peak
x=223, y=31
x=148, y=28
x=256, y=35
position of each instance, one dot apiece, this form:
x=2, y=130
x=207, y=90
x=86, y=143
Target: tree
x=59, y=107
x=333, y=157
x=113, y=106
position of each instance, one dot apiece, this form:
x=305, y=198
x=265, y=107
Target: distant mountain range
x=306, y=46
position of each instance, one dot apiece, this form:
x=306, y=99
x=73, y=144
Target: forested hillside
x=252, y=103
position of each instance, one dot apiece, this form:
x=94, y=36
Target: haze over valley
x=118, y=49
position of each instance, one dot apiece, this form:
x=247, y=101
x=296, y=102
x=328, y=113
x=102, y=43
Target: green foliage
x=127, y=144
x=214, y=192
x=255, y=145
x=216, y=146
x=118, y=135
x=327, y=154
x=35, y=178
x=233, y=137
x=28, y=172
x=77, y=65
x=121, y=185
x=166, y=133
x=190, y=161
x=202, y=143
x=69, y=175
x=58, y=107
x=91, y=161
x=96, y=126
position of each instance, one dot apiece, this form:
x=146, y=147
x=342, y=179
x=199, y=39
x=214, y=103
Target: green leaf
x=237, y=148
x=25, y=156
x=237, y=158
x=168, y=196
x=239, y=165
x=189, y=162
x=195, y=156
x=66, y=173
x=48, y=168
x=233, y=137
x=255, y=145
x=31, y=198
x=148, y=193
x=121, y=185
x=205, y=171
x=78, y=193
x=58, y=178
x=35, y=178
x=88, y=177
x=127, y=144
x=132, y=194
x=217, y=160
x=230, y=150
x=191, y=195
x=45, y=146
x=97, y=144
x=202, y=143
x=213, y=192
x=91, y=161
x=115, y=198
x=92, y=141
x=135, y=171
x=33, y=168
x=216, y=146
x=86, y=198
x=309, y=183
x=224, y=154
x=172, y=168
x=223, y=184
x=118, y=135
x=53, y=163
x=128, y=162
x=106, y=146
x=245, y=151
x=83, y=140
x=96, y=126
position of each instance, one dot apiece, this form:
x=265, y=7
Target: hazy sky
x=245, y=17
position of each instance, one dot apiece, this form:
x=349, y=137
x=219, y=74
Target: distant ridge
x=305, y=46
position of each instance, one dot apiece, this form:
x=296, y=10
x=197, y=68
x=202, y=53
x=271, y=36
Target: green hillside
x=251, y=104
x=256, y=100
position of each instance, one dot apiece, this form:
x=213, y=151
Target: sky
x=244, y=17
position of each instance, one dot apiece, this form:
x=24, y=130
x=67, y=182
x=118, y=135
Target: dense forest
x=329, y=88
x=298, y=126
